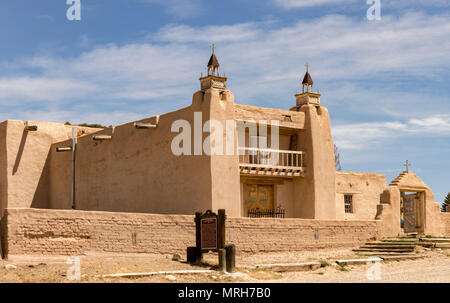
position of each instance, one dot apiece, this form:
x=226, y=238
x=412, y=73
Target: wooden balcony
x=271, y=162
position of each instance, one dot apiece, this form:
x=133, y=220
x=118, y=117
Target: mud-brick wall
x=446, y=222
x=68, y=232
x=274, y=235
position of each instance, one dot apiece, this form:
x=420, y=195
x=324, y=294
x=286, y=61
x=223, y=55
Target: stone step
x=400, y=240
x=381, y=254
x=403, y=257
x=375, y=246
x=400, y=244
x=358, y=261
x=382, y=250
x=289, y=266
x=429, y=245
x=435, y=240
x=442, y=245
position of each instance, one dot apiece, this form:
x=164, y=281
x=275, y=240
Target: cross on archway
x=407, y=165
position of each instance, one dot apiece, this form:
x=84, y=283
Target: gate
x=409, y=213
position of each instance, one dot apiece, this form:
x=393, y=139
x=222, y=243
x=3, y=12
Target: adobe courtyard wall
x=445, y=219
x=136, y=171
x=24, y=166
x=366, y=189
x=69, y=232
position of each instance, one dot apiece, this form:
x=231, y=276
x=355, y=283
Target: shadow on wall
x=20, y=152
x=3, y=237
x=41, y=198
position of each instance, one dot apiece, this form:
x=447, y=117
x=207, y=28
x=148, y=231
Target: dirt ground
x=435, y=267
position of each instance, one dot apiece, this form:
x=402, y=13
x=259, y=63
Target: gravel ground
x=434, y=268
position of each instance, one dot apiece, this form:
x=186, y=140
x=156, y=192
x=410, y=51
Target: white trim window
x=348, y=204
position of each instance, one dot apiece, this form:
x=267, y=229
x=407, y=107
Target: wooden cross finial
x=407, y=165
x=307, y=67
x=213, y=47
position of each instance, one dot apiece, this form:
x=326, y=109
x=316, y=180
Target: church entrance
x=258, y=196
x=411, y=211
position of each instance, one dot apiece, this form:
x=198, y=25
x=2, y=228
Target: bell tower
x=213, y=78
x=308, y=96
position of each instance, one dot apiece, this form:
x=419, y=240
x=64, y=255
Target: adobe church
x=131, y=168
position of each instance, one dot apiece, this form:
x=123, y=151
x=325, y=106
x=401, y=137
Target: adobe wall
x=284, y=197
x=315, y=193
x=365, y=188
x=283, y=193
x=445, y=219
x=389, y=210
x=3, y=171
x=68, y=232
x=136, y=170
x=24, y=161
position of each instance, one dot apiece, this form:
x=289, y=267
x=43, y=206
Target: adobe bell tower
x=315, y=193
x=213, y=78
x=308, y=96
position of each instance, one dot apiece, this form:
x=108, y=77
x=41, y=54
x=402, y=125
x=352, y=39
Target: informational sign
x=209, y=233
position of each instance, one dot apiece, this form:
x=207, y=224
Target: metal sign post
x=210, y=236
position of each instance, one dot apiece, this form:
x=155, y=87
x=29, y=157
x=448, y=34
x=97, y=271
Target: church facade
x=133, y=168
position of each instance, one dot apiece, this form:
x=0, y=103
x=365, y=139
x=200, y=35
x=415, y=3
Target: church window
x=348, y=200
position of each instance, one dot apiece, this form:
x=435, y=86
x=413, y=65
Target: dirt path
x=434, y=268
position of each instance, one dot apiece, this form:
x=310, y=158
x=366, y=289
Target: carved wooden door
x=258, y=196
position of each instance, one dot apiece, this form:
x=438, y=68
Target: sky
x=385, y=82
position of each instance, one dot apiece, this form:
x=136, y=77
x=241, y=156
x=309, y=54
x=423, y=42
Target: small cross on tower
x=213, y=47
x=407, y=165
x=307, y=67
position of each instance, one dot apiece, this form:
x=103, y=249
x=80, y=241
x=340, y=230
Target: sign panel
x=208, y=233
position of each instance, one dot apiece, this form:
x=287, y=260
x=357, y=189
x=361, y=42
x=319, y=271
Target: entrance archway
x=409, y=199
x=412, y=211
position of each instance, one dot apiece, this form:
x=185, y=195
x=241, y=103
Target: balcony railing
x=264, y=161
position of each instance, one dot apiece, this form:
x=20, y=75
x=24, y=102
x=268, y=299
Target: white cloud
x=292, y=4
x=215, y=33
x=367, y=135
x=42, y=88
x=288, y=4
x=415, y=3
x=179, y=8
x=264, y=63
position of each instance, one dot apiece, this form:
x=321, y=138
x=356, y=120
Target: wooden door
x=258, y=196
x=409, y=213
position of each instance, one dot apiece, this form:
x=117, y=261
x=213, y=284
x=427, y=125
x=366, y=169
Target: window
x=348, y=201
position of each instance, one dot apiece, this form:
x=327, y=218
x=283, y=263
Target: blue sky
x=385, y=83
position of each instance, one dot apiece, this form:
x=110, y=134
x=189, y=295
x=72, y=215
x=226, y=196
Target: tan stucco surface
x=24, y=161
x=286, y=118
x=136, y=170
x=315, y=193
x=366, y=189
x=389, y=211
